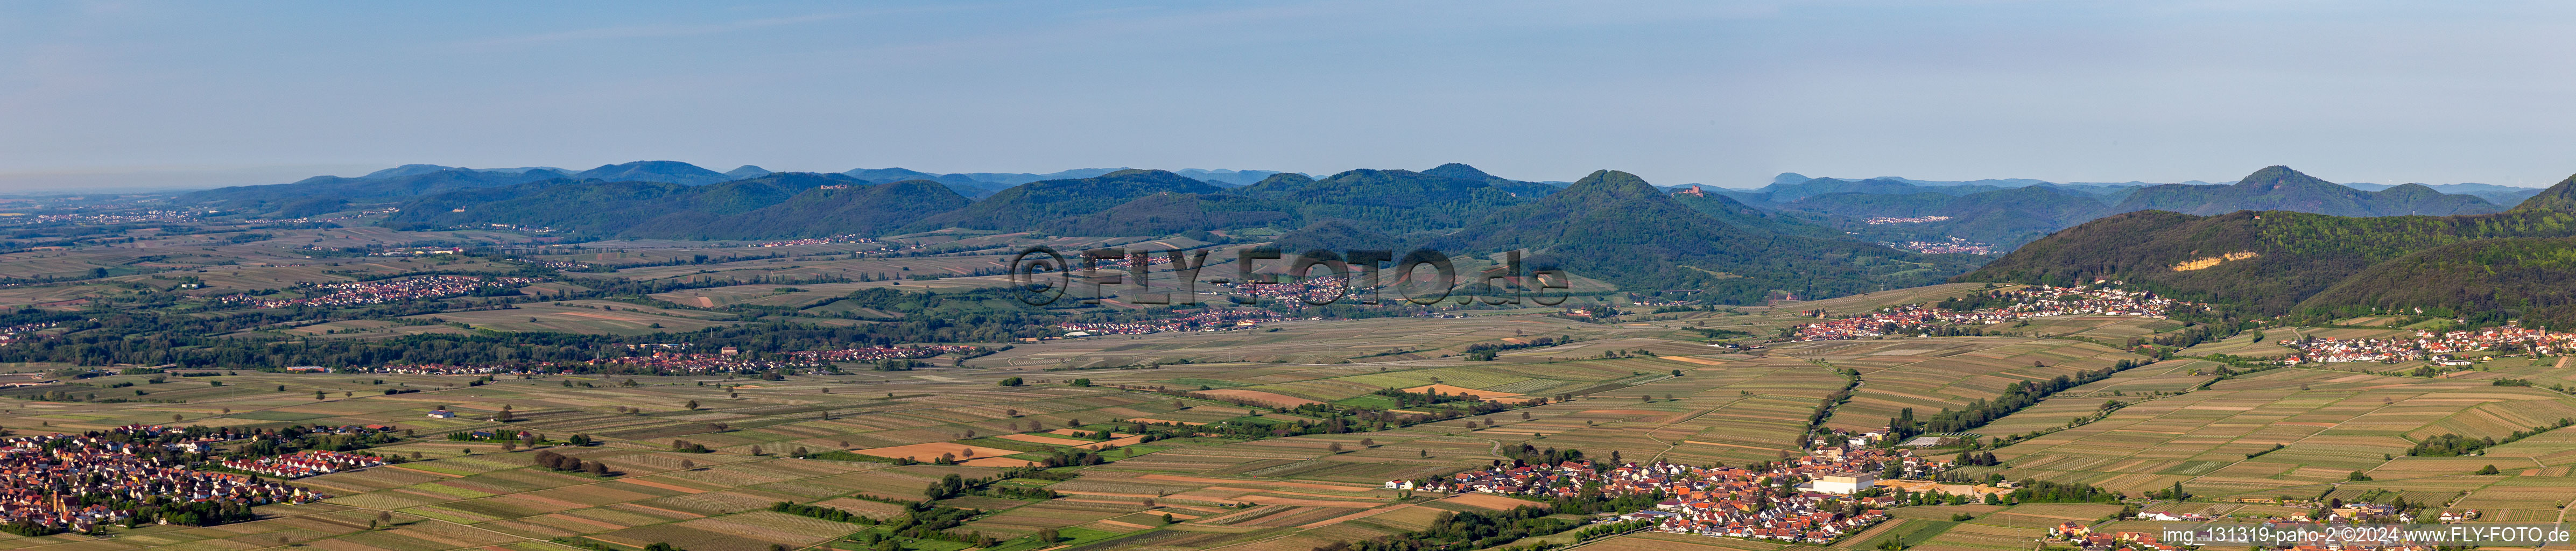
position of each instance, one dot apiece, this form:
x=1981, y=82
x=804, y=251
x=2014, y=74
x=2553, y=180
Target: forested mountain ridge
x=2282, y=262
x=2007, y=217
x=604, y=208
x=2514, y=277
x=669, y=172
x=1611, y=225
x=1461, y=171
x=2499, y=195
x=327, y=189
x=1726, y=209
x=2280, y=188
x=1396, y=201
x=411, y=169
x=1025, y=206
x=1172, y=212
x=843, y=209
x=2561, y=197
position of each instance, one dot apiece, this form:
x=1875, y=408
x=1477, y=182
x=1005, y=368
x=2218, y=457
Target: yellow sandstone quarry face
x=2200, y=263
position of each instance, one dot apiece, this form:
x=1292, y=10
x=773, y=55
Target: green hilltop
x=2508, y=263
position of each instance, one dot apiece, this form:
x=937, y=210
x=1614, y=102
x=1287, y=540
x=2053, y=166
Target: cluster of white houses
x=2024, y=303
x=66, y=482
x=304, y=463
x=2451, y=348
x=1814, y=499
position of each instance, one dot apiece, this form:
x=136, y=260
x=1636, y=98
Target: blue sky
x=199, y=94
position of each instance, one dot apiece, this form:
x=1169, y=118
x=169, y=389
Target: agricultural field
x=1930, y=375
x=1307, y=342
x=584, y=317
x=2329, y=424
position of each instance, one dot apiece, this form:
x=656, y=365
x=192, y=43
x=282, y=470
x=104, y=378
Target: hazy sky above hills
x=153, y=94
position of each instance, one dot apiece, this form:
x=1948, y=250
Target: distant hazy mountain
x=2009, y=212
x=2501, y=195
x=415, y=169
x=2279, y=188
x=669, y=172
x=407, y=170
x=377, y=189
x=1393, y=201
x=1025, y=206
x=1463, y=172
x=1226, y=177
x=863, y=209
x=746, y=171
x=2006, y=217
x=973, y=184
x=1727, y=209
x=608, y=208
x=1177, y=212
x=1777, y=194
x=1793, y=178
x=984, y=184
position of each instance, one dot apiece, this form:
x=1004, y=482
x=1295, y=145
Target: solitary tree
x=800, y=451
x=755, y=450
x=693, y=404
x=688, y=465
